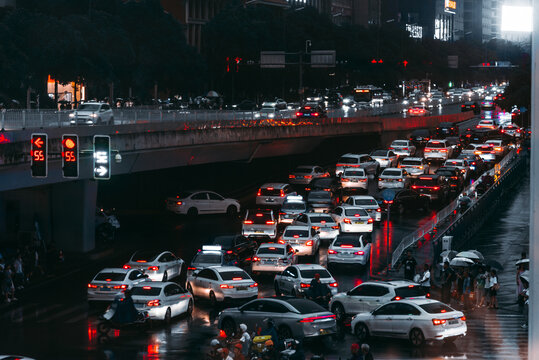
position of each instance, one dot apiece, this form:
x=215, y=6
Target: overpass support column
x=73, y=207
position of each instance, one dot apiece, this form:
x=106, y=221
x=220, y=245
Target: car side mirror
x=349, y=292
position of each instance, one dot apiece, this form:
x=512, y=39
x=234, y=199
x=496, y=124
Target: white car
x=326, y=226
x=110, y=282
x=210, y=255
x=368, y=203
x=498, y=146
x=415, y=166
x=354, y=179
x=158, y=265
x=304, y=174
x=273, y=194
x=296, y=279
x=259, y=222
x=291, y=209
x=393, y=178
x=416, y=320
x=349, y=249
x=303, y=239
x=271, y=257
x=352, y=219
x=162, y=300
x=202, y=202
x=92, y=113
x=386, y=158
x=470, y=149
x=486, y=152
x=403, y=148
x=461, y=164
x=364, y=161
x=371, y=294
x=437, y=150
x=221, y=284
x=486, y=124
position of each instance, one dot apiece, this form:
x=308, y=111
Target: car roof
x=274, y=185
x=309, y=267
x=267, y=245
x=399, y=169
x=361, y=197
x=354, y=207
x=297, y=227
x=350, y=155
x=115, y=270
x=391, y=283
x=413, y=158
x=420, y=302
x=401, y=140
x=226, y=268
x=434, y=141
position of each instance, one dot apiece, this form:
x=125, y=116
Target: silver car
x=296, y=279
x=92, y=113
x=210, y=255
x=158, y=265
x=326, y=226
x=273, y=194
x=415, y=166
x=368, y=203
x=303, y=175
x=259, y=222
x=110, y=282
x=293, y=318
x=386, y=158
x=403, y=147
x=272, y=257
x=291, y=209
x=303, y=239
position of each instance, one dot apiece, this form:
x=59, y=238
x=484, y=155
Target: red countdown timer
x=70, y=156
x=38, y=155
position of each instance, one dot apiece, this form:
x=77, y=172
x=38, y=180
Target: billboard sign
x=450, y=6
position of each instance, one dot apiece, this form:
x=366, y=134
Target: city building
x=482, y=20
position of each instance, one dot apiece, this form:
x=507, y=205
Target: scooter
x=106, y=322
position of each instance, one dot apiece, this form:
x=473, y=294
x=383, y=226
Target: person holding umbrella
x=494, y=287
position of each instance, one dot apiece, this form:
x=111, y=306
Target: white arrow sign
x=101, y=171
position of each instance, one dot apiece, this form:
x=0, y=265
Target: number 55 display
x=70, y=156
x=38, y=155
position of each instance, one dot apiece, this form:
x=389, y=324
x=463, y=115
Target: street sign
x=101, y=157
x=70, y=156
x=388, y=194
x=38, y=155
x=272, y=59
x=323, y=58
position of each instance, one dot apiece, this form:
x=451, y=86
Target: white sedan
x=303, y=239
x=110, y=282
x=202, y=202
x=368, y=203
x=416, y=320
x=272, y=258
x=403, y=147
x=304, y=174
x=221, y=284
x=162, y=300
x=415, y=166
x=352, y=219
x=386, y=158
x=296, y=279
x=350, y=249
x=354, y=179
x=393, y=178
x=158, y=265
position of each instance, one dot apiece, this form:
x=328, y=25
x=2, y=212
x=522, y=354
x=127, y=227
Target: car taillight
x=415, y=187
x=311, y=319
x=191, y=268
x=281, y=242
x=379, y=179
x=347, y=221
x=359, y=253
x=498, y=148
x=438, y=321
x=405, y=148
x=316, y=227
x=248, y=222
x=225, y=286
x=309, y=243
x=334, y=284
x=291, y=176
x=92, y=286
x=436, y=188
x=304, y=285
x=427, y=150
x=127, y=267
x=443, y=150
x=379, y=210
x=333, y=252
x=344, y=180
x=391, y=148
x=255, y=259
x=178, y=203
x=463, y=318
x=254, y=285
x=370, y=221
x=259, y=192
x=298, y=114
x=335, y=227
x=316, y=114
x=230, y=252
x=153, y=302
x=282, y=193
x=153, y=268
x=120, y=287
x=396, y=298
x=307, y=189
x=400, y=180
x=270, y=222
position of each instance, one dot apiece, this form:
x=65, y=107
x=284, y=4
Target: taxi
x=292, y=207
x=210, y=255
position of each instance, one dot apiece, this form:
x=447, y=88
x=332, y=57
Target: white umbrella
x=461, y=262
x=212, y=93
x=523, y=261
x=447, y=255
x=481, y=257
x=470, y=255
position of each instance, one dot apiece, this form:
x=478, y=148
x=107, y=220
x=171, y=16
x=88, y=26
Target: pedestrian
x=7, y=285
x=270, y=330
x=526, y=297
x=213, y=354
x=245, y=340
x=459, y=286
x=409, y=266
x=494, y=287
x=238, y=352
x=479, y=288
x=355, y=351
x=425, y=279
x=520, y=286
x=466, y=289
x=447, y=280
x=366, y=350
x=486, y=275
x=318, y=291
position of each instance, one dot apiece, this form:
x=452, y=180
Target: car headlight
x=93, y=115
x=72, y=115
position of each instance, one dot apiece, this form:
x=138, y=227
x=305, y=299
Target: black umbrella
x=494, y=265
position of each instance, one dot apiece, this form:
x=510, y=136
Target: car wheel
x=277, y=290
x=190, y=308
x=192, y=212
x=416, y=337
x=213, y=299
x=231, y=211
x=103, y=327
x=362, y=332
x=165, y=276
x=338, y=310
x=284, y=332
x=228, y=326
x=168, y=316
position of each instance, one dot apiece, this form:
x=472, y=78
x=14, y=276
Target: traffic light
x=405, y=63
x=101, y=157
x=70, y=156
x=38, y=155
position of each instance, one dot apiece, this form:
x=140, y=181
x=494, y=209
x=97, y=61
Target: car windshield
x=270, y=251
x=303, y=170
x=258, y=217
x=205, y=258
x=363, y=202
x=145, y=256
x=409, y=291
x=270, y=192
x=296, y=233
x=347, y=241
x=319, y=195
x=294, y=206
x=234, y=275
x=379, y=153
x=436, y=145
x=425, y=182
x=309, y=273
x=306, y=306
x=436, y=308
x=391, y=172
x=355, y=212
x=145, y=291
x=410, y=162
x=88, y=107
x=321, y=219
x=109, y=276
x=348, y=160
x=359, y=172
x=399, y=143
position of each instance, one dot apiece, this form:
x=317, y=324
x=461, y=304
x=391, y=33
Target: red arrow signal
x=38, y=142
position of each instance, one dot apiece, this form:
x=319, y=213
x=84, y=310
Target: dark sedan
x=237, y=247
x=311, y=110
x=446, y=129
x=420, y=137
x=406, y=200
x=471, y=106
x=454, y=177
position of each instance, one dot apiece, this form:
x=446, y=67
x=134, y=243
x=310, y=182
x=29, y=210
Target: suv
x=364, y=161
x=237, y=247
x=92, y=113
x=435, y=187
x=259, y=222
x=437, y=150
x=371, y=294
x=446, y=129
x=420, y=137
x=273, y=194
x=454, y=177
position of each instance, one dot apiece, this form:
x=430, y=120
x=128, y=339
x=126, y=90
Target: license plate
x=359, y=222
x=259, y=231
x=346, y=254
x=299, y=177
x=323, y=332
x=306, y=115
x=105, y=289
x=270, y=200
x=241, y=288
x=269, y=261
x=453, y=322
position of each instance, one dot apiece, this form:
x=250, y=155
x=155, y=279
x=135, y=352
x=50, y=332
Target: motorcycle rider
x=125, y=312
x=318, y=292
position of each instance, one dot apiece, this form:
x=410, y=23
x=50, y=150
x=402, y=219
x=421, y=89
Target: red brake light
x=304, y=286
x=309, y=243
x=269, y=188
x=92, y=286
x=255, y=259
x=146, y=288
x=254, y=285
x=438, y=321
x=463, y=318
x=191, y=268
x=436, y=188
x=120, y=287
x=359, y=253
x=347, y=246
x=178, y=203
x=230, y=252
x=291, y=176
x=379, y=210
x=296, y=236
x=307, y=107
x=334, y=284
x=259, y=192
x=127, y=267
x=141, y=261
x=333, y=252
x=414, y=186
x=347, y=221
x=248, y=222
x=396, y=298
x=153, y=302
x=282, y=193
x=335, y=227
x=316, y=114
x=108, y=279
x=311, y=319
x=237, y=278
x=316, y=227
x=298, y=114
x=370, y=221
x=153, y=268
x=225, y=286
